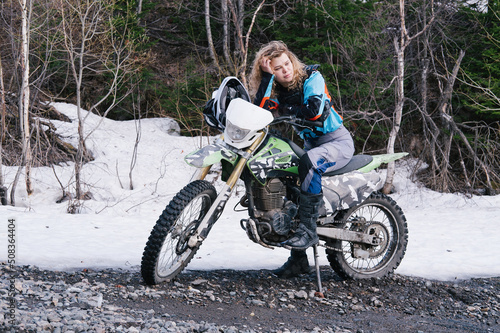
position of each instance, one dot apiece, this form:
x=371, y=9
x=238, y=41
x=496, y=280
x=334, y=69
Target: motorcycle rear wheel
x=378, y=215
x=167, y=251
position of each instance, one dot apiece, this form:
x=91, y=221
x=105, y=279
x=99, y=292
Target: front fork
x=220, y=202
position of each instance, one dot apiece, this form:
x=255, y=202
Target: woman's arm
x=316, y=104
x=263, y=95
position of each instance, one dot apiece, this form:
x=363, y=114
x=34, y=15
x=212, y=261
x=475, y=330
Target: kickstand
x=319, y=293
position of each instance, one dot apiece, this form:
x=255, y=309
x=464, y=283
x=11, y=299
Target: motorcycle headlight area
x=243, y=121
x=235, y=133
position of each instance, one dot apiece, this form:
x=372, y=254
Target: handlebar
x=293, y=120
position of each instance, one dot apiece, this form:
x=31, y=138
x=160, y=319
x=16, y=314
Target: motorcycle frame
x=219, y=204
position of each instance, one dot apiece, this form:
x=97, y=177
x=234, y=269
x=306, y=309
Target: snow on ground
x=450, y=236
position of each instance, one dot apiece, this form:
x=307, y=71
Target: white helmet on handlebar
x=215, y=109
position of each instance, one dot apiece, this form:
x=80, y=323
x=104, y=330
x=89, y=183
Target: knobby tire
x=168, y=239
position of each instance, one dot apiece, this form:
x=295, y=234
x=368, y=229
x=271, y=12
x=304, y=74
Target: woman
x=282, y=84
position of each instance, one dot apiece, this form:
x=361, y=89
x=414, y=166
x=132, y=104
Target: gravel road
x=35, y=300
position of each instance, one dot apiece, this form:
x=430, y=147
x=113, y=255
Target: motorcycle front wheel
x=167, y=251
x=380, y=216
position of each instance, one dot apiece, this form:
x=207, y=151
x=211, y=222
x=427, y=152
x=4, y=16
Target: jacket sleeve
x=263, y=95
x=316, y=104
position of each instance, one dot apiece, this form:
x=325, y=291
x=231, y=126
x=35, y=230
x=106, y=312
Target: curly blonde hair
x=273, y=50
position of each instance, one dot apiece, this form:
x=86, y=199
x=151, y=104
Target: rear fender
x=381, y=159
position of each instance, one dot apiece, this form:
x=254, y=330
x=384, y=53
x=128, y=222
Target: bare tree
x=242, y=39
x=24, y=99
x=138, y=131
x=211, y=47
x=459, y=154
x=234, y=40
x=3, y=115
x=451, y=145
x=85, y=18
x=24, y=103
x=94, y=46
x=400, y=45
x=139, y=7
x=225, y=32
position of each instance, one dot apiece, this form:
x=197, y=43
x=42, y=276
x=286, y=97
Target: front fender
x=209, y=155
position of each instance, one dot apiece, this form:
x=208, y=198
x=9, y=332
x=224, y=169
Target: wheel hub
x=380, y=241
x=185, y=236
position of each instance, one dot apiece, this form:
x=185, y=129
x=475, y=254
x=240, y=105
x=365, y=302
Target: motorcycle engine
x=275, y=213
x=269, y=196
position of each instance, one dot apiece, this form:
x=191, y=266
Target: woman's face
x=283, y=69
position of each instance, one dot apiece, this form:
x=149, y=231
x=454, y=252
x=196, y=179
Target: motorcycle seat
x=356, y=162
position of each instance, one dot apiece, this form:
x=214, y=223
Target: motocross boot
x=296, y=265
x=305, y=235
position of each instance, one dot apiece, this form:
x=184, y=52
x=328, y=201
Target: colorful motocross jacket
x=312, y=102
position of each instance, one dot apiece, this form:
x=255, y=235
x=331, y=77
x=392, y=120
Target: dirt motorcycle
x=364, y=232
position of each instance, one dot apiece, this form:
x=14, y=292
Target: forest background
x=417, y=75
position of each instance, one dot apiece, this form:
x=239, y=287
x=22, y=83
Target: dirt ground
x=257, y=300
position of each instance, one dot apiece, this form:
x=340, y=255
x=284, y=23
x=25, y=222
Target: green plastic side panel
x=381, y=159
x=275, y=155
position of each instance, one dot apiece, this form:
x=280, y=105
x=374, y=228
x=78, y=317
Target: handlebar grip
x=309, y=123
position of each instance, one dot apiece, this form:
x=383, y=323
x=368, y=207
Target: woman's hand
x=265, y=65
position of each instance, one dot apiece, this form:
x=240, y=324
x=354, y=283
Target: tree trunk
x=399, y=47
x=78, y=76
x=3, y=109
x=138, y=131
x=24, y=106
x=211, y=47
x=241, y=14
x=3, y=189
x=24, y=98
x=225, y=32
x=243, y=40
x=139, y=7
x=398, y=112
x=81, y=152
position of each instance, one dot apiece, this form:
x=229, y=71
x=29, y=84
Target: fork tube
x=202, y=173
